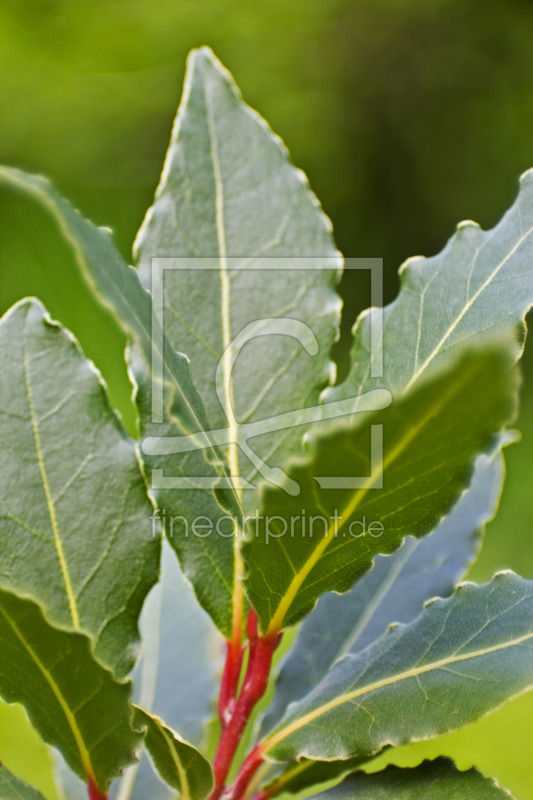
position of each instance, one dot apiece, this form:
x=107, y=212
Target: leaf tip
x=504, y=573
x=411, y=263
x=199, y=55
x=202, y=60
x=526, y=178
x=468, y=227
x=392, y=627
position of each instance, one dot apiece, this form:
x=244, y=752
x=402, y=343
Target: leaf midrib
x=185, y=789
x=225, y=300
x=71, y=719
x=58, y=542
x=225, y=310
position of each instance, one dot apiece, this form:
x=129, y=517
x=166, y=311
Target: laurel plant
x=262, y=593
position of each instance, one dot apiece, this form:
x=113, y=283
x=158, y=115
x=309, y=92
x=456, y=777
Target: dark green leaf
x=73, y=702
x=76, y=531
x=301, y=775
x=432, y=780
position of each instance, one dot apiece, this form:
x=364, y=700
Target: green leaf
x=430, y=441
x=228, y=200
x=394, y=590
x=74, y=511
x=481, y=283
x=230, y=206
x=463, y=657
x=73, y=702
x=432, y=780
x=180, y=764
x=209, y=566
x=178, y=675
x=12, y=788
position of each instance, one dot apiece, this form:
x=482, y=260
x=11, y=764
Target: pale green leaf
x=432, y=780
x=68, y=786
x=147, y=782
x=480, y=284
x=177, y=677
x=12, y=788
x=73, y=702
x=394, y=590
x=178, y=673
x=431, y=439
x=180, y=764
x=230, y=206
x=462, y=658
x=117, y=286
x=74, y=513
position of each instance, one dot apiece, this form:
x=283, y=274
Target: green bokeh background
x=407, y=116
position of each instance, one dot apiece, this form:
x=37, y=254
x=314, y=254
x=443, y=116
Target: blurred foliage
x=22, y=750
x=407, y=116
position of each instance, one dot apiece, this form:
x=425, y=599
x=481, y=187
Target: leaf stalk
x=94, y=791
x=235, y=712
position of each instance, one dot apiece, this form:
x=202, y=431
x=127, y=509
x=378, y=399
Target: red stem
x=246, y=773
x=254, y=687
x=94, y=791
x=251, y=626
x=230, y=681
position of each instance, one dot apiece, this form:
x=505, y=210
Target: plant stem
x=261, y=650
x=94, y=791
x=230, y=681
x=246, y=773
x=265, y=795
